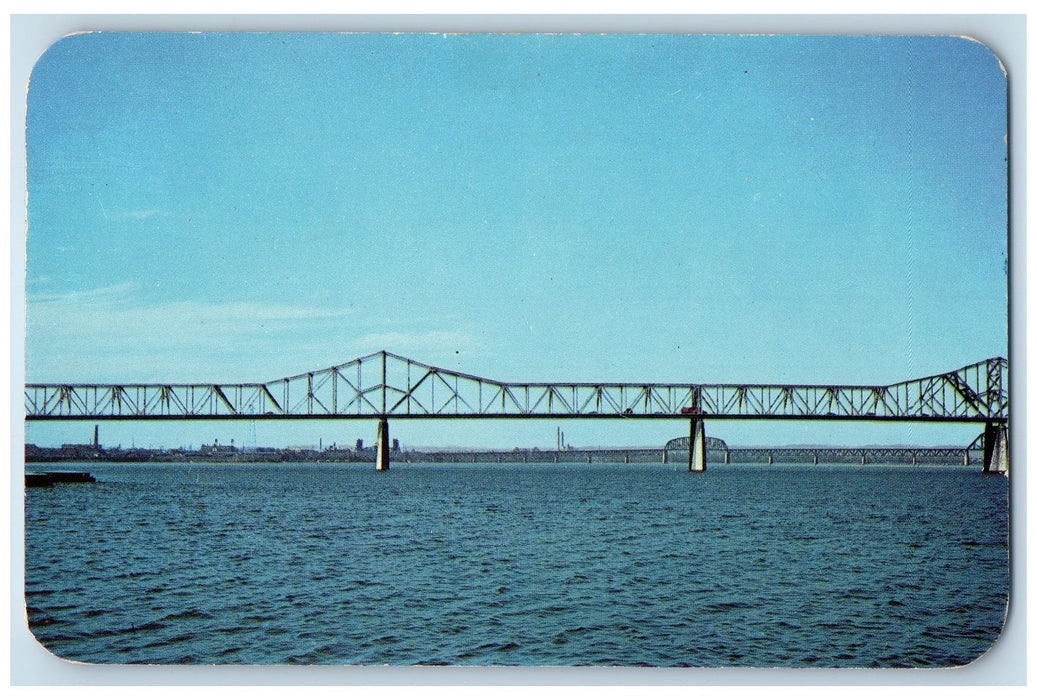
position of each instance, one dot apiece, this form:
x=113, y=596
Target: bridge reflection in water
x=384, y=385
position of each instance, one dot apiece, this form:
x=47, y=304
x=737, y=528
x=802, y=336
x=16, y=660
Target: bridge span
x=383, y=385
x=837, y=455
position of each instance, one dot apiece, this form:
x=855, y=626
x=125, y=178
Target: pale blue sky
x=240, y=207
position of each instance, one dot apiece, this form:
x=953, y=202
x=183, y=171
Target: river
x=519, y=564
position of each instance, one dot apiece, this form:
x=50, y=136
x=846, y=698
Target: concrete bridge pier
x=696, y=446
x=382, y=446
x=995, y=448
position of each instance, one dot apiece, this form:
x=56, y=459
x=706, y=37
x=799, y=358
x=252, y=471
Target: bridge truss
x=836, y=455
x=383, y=385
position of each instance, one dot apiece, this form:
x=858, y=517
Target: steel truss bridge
x=383, y=385
x=837, y=455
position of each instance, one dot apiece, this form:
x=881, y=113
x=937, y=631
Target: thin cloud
x=123, y=299
x=100, y=295
x=108, y=334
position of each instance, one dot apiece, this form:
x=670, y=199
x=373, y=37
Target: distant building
x=217, y=448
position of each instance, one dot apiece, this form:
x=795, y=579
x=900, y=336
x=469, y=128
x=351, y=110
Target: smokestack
x=97, y=444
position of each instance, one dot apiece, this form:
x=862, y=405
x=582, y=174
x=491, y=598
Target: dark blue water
x=520, y=564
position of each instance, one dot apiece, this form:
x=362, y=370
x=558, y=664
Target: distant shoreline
x=787, y=455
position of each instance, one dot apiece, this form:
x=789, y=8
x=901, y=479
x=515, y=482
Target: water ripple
x=519, y=564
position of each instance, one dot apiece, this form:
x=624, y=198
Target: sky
x=669, y=208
